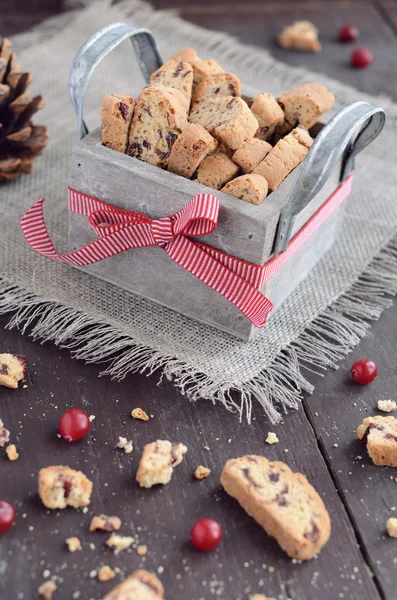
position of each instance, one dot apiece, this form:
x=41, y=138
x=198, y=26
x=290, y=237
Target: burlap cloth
x=320, y=322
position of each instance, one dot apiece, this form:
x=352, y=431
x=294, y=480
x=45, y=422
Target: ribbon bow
x=120, y=230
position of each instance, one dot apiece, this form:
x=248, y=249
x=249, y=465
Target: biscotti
x=174, y=74
x=282, y=502
x=204, y=68
x=301, y=35
x=252, y=188
x=216, y=170
x=187, y=55
x=160, y=116
x=228, y=119
x=116, y=115
x=268, y=113
x=285, y=156
x=140, y=585
x=190, y=149
x=251, y=153
x=12, y=370
x=61, y=486
x=158, y=462
x=379, y=434
x=305, y=104
x=217, y=86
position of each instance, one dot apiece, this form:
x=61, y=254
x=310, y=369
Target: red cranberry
x=364, y=371
x=7, y=516
x=348, y=33
x=74, y=424
x=361, y=58
x=206, y=534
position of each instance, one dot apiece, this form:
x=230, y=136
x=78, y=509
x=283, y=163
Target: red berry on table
x=7, y=516
x=364, y=371
x=206, y=534
x=74, y=424
x=348, y=33
x=361, y=57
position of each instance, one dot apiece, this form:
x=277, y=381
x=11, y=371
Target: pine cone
x=21, y=142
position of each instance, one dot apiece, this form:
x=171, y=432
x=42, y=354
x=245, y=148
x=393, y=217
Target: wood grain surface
x=359, y=562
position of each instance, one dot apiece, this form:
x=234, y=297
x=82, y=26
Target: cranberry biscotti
x=379, y=434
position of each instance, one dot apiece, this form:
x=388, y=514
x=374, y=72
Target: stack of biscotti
x=193, y=121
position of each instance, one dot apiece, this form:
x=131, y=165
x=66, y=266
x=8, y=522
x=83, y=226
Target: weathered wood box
x=245, y=231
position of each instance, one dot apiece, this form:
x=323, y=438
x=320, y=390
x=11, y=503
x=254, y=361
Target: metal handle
x=349, y=131
x=96, y=48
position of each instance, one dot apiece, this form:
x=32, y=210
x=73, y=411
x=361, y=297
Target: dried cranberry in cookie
x=216, y=86
x=251, y=153
x=160, y=116
x=12, y=370
x=116, y=116
x=61, y=486
x=190, y=149
x=379, y=434
x=174, y=74
x=301, y=35
x=305, y=104
x=268, y=113
x=282, y=502
x=252, y=188
x=216, y=170
x=140, y=585
x=158, y=462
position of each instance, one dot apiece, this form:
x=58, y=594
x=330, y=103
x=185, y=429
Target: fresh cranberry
x=7, y=516
x=348, y=33
x=206, y=534
x=74, y=424
x=361, y=58
x=364, y=371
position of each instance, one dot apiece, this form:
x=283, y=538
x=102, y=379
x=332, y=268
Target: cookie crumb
x=271, y=438
x=73, y=544
x=91, y=418
x=392, y=527
x=105, y=523
x=336, y=445
x=125, y=445
x=118, y=543
x=140, y=414
x=158, y=462
x=207, y=448
x=105, y=573
x=141, y=550
x=11, y=452
x=387, y=405
x=47, y=589
x=271, y=569
x=201, y=472
x=160, y=570
x=260, y=597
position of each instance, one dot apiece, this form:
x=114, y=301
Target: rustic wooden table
x=359, y=562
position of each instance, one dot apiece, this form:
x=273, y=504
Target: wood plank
x=161, y=517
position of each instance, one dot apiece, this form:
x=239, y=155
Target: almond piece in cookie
x=379, y=434
x=174, y=74
x=251, y=153
x=158, y=462
x=252, y=188
x=268, y=113
x=301, y=35
x=12, y=370
x=105, y=523
x=160, y=117
x=228, y=119
x=116, y=116
x=305, y=104
x=216, y=170
x=282, y=502
x=190, y=149
x=285, y=156
x=140, y=585
x=216, y=86
x=187, y=55
x=60, y=486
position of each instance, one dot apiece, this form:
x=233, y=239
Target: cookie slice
x=216, y=86
x=12, y=370
x=158, y=462
x=61, y=486
x=188, y=55
x=140, y=585
x=251, y=153
x=160, y=116
x=216, y=170
x=116, y=116
x=301, y=35
x=174, y=74
x=228, y=119
x=282, y=502
x=305, y=104
x=379, y=434
x=252, y=188
x=204, y=68
x=190, y=149
x=268, y=113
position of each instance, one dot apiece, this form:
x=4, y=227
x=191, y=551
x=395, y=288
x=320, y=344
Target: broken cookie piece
x=47, y=589
x=392, y=527
x=105, y=573
x=105, y=523
x=125, y=445
x=73, y=544
x=201, y=472
x=60, y=486
x=139, y=413
x=301, y=35
x=305, y=104
x=4, y=434
x=12, y=369
x=140, y=585
x=12, y=453
x=379, y=434
x=118, y=543
x=158, y=462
